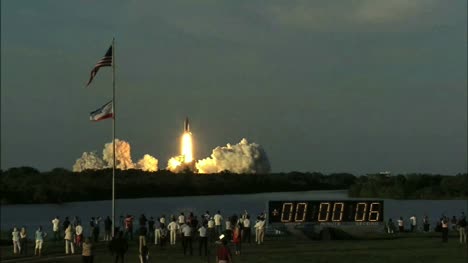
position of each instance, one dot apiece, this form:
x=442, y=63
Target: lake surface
x=34, y=215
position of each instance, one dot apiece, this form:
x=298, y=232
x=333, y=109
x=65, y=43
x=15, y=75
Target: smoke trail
x=240, y=158
x=122, y=156
x=88, y=161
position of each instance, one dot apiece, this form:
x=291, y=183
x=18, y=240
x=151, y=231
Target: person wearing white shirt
x=203, y=241
x=187, y=238
x=69, y=240
x=247, y=231
x=401, y=225
x=55, y=228
x=181, y=219
x=260, y=230
x=218, y=218
x=211, y=230
x=413, y=223
x=228, y=229
x=173, y=227
x=15, y=236
x=79, y=234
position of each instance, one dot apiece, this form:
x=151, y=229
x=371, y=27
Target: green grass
x=404, y=248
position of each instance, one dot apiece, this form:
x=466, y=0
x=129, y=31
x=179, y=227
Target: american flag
x=106, y=61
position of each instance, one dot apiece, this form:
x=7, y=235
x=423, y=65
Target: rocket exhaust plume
x=185, y=159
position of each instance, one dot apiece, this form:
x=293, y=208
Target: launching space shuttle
x=186, y=125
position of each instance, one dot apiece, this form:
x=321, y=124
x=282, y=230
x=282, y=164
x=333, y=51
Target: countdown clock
x=326, y=211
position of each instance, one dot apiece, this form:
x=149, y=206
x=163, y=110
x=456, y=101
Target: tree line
x=22, y=185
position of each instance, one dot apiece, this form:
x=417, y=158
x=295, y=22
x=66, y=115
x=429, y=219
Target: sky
x=358, y=86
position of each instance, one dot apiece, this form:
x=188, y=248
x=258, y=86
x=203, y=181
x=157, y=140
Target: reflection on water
x=32, y=216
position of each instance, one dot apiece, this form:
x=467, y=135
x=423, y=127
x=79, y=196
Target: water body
x=34, y=215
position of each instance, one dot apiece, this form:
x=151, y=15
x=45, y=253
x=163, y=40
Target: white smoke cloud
x=88, y=161
x=243, y=157
x=148, y=163
x=122, y=155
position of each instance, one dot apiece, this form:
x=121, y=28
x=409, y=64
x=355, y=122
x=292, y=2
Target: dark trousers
x=426, y=227
x=187, y=243
x=203, y=242
x=119, y=255
x=246, y=234
x=444, y=234
x=56, y=235
x=24, y=246
x=88, y=259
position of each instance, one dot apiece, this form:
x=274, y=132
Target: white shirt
x=246, y=223
x=162, y=220
x=260, y=224
x=228, y=225
x=181, y=219
x=413, y=220
x=172, y=226
x=186, y=230
x=211, y=223
x=218, y=218
x=55, y=224
x=202, y=231
x=400, y=222
x=15, y=235
x=79, y=229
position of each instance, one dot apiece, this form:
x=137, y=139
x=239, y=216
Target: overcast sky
x=331, y=86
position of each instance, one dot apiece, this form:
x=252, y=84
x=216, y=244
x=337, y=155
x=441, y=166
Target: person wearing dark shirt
x=118, y=247
x=107, y=229
x=142, y=232
x=142, y=220
x=151, y=228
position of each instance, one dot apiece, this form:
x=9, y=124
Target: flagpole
x=113, y=137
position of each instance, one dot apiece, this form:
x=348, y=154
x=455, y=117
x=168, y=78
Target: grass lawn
x=417, y=247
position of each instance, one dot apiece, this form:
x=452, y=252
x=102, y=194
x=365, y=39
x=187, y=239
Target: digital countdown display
x=326, y=211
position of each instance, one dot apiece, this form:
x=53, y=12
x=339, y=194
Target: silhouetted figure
x=118, y=247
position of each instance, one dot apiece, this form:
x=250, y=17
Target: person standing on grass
x=218, y=219
x=223, y=254
x=211, y=229
x=247, y=232
x=203, y=240
x=142, y=232
x=187, y=238
x=56, y=228
x=390, y=226
x=150, y=228
x=118, y=247
x=228, y=229
x=15, y=236
x=107, y=229
x=413, y=223
x=172, y=227
x=39, y=241
x=401, y=225
x=445, y=227
x=144, y=254
x=162, y=221
x=78, y=235
x=129, y=226
x=426, y=224
x=69, y=240
x=260, y=229
x=87, y=253
x=462, y=229
x=23, y=241
x=236, y=238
